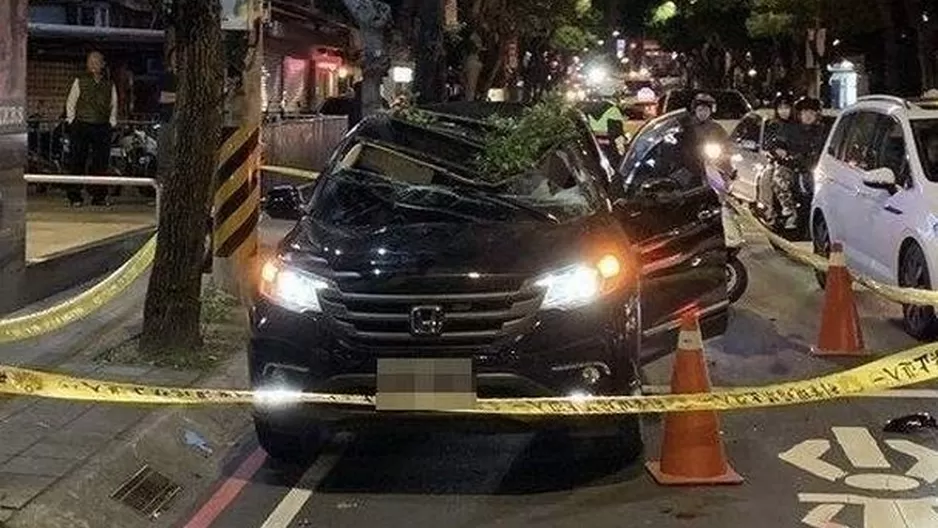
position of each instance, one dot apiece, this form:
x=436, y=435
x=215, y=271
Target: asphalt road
x=838, y=468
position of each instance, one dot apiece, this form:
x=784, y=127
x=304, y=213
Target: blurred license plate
x=425, y=384
x=117, y=152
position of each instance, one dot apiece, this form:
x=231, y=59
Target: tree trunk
x=173, y=305
x=372, y=17
x=430, y=74
x=471, y=69
x=492, y=63
x=472, y=65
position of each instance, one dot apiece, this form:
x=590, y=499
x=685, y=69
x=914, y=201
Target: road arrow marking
x=823, y=516
x=926, y=465
x=807, y=456
x=860, y=447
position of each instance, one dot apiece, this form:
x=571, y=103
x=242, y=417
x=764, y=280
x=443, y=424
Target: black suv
x=410, y=277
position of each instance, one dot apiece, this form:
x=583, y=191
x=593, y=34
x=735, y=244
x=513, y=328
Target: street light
x=753, y=72
x=601, y=42
x=616, y=33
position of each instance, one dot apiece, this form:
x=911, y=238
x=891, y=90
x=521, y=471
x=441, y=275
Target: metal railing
x=100, y=180
x=49, y=143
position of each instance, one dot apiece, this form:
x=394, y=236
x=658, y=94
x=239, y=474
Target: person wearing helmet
x=607, y=123
x=782, y=120
x=801, y=143
x=708, y=141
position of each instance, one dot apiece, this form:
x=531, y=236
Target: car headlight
x=579, y=285
x=291, y=288
x=713, y=151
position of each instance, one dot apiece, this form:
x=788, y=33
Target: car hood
x=444, y=248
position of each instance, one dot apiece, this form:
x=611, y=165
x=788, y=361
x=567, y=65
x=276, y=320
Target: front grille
x=476, y=312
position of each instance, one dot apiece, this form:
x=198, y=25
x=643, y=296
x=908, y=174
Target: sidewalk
x=46, y=442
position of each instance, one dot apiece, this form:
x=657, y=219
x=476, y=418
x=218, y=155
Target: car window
x=859, y=149
x=836, y=147
x=925, y=132
x=892, y=151
x=749, y=129
x=661, y=151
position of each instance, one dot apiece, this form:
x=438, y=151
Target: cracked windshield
x=560, y=263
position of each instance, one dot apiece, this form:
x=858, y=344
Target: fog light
x=591, y=375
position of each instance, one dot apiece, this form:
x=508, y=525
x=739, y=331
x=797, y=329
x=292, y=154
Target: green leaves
x=516, y=145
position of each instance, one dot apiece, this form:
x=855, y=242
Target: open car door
x=672, y=213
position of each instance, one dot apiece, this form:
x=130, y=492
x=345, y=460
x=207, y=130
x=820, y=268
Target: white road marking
x=823, y=516
x=860, y=447
x=926, y=465
x=882, y=513
x=863, y=451
x=807, y=456
x=291, y=504
x=286, y=511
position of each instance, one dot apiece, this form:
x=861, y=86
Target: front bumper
x=559, y=354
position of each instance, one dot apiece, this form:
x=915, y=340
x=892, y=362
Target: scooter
x=767, y=208
x=737, y=276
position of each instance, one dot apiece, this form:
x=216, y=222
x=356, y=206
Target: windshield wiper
x=480, y=193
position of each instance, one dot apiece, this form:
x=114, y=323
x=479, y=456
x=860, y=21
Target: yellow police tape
x=904, y=368
x=290, y=171
x=80, y=306
x=897, y=294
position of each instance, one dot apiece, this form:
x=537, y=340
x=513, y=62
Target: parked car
x=732, y=105
x=406, y=256
x=877, y=193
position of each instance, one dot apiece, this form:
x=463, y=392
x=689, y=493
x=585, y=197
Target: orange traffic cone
x=692, y=450
x=840, y=324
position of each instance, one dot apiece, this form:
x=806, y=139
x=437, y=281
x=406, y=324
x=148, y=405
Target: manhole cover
x=147, y=492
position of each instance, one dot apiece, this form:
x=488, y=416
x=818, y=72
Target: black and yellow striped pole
x=236, y=204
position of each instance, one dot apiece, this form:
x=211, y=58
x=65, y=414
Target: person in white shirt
x=91, y=113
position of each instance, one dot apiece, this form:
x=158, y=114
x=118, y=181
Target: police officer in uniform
x=608, y=126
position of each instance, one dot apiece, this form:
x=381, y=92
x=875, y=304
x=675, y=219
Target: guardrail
x=100, y=180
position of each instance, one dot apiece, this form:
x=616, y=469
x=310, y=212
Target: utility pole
x=236, y=203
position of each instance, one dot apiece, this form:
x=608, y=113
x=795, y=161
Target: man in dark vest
x=91, y=112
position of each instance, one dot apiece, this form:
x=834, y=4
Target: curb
x=84, y=497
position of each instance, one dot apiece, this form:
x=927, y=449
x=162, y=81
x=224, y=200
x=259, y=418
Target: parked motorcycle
x=135, y=155
x=719, y=175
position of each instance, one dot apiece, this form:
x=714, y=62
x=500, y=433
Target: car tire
x=619, y=444
x=737, y=279
x=295, y=447
x=821, y=243
x=919, y=321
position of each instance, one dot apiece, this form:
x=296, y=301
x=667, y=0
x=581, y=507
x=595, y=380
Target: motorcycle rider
x=707, y=141
x=801, y=143
x=782, y=120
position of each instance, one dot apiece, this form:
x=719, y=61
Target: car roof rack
x=885, y=99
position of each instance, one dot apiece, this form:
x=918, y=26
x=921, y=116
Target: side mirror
x=283, y=203
x=882, y=178
x=749, y=144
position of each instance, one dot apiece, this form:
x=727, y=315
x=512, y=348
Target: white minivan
x=876, y=191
